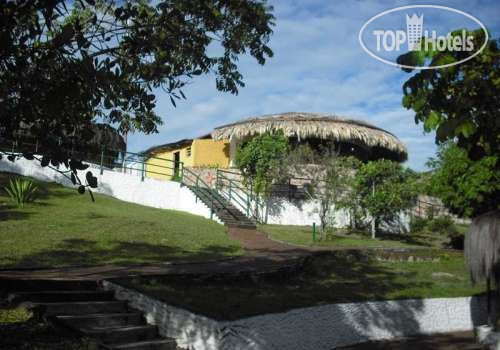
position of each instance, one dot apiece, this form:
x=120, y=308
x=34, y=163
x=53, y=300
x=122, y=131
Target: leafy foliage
x=261, y=160
x=462, y=104
x=443, y=226
x=461, y=101
x=21, y=191
x=383, y=189
x=468, y=188
x=65, y=65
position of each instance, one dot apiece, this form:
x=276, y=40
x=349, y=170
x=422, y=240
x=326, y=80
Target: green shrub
x=418, y=225
x=21, y=191
x=19, y=314
x=442, y=225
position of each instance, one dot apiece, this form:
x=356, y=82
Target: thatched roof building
x=369, y=140
x=92, y=137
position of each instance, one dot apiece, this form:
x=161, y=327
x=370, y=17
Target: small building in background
x=165, y=161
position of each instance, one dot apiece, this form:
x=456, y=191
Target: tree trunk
x=496, y=318
x=374, y=219
x=374, y=227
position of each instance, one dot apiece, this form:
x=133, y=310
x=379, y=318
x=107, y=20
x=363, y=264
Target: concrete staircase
x=222, y=208
x=94, y=313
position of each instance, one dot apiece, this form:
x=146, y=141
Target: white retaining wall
x=127, y=187
x=305, y=212
x=321, y=327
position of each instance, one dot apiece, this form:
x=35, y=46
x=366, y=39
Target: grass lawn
x=335, y=278
x=63, y=228
x=302, y=235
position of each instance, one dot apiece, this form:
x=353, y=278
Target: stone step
x=121, y=335
x=247, y=227
x=101, y=320
x=61, y=296
x=225, y=211
x=80, y=308
x=239, y=223
x=233, y=221
x=235, y=217
x=26, y=285
x=157, y=344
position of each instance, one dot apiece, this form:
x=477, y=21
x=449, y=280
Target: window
x=188, y=152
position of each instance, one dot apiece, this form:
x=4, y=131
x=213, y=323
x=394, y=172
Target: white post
x=373, y=217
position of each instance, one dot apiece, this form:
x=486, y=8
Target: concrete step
x=235, y=218
x=225, y=211
x=101, y=320
x=80, y=308
x=61, y=296
x=121, y=335
x=246, y=227
x=26, y=285
x=238, y=220
x=157, y=344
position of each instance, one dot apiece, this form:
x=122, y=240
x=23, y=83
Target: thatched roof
x=106, y=136
x=92, y=135
x=315, y=125
x=482, y=247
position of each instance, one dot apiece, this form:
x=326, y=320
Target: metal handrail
x=187, y=171
x=247, y=206
x=237, y=200
x=231, y=186
x=104, y=159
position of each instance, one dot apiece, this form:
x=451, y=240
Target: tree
x=462, y=184
x=462, y=104
x=65, y=65
x=260, y=160
x=383, y=189
x=328, y=177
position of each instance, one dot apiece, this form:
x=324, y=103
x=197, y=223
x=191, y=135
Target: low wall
x=302, y=212
x=320, y=327
x=282, y=210
x=127, y=187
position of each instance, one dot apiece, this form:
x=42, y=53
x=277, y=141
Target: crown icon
x=414, y=27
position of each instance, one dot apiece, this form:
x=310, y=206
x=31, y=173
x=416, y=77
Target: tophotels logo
x=417, y=38
x=414, y=27
x=392, y=40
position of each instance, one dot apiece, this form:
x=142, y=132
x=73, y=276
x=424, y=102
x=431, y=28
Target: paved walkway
x=448, y=341
x=261, y=255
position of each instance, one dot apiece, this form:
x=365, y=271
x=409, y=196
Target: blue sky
x=318, y=66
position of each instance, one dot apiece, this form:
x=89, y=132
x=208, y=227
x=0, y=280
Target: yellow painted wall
x=155, y=166
x=204, y=152
x=208, y=152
